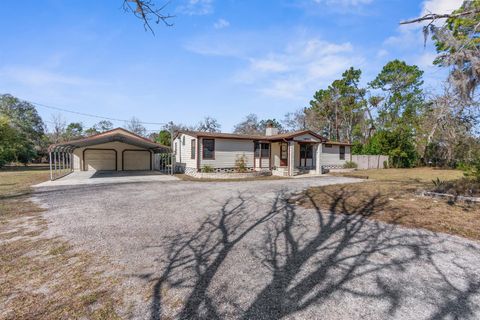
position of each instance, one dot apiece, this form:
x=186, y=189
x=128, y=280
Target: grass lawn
x=393, y=194
x=40, y=277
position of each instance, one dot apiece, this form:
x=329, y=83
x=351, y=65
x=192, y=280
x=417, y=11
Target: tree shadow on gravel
x=305, y=257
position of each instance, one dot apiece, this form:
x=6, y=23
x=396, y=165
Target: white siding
x=227, y=151
x=183, y=155
x=331, y=156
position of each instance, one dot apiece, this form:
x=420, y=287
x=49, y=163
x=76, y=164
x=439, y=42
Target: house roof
x=221, y=135
x=117, y=134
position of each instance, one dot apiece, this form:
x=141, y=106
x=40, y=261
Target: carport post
x=63, y=159
x=50, y=163
x=54, y=164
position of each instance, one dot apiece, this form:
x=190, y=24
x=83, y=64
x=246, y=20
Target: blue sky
x=222, y=58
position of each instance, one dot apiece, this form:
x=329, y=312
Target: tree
x=340, y=108
x=250, y=125
x=14, y=144
x=73, y=131
x=457, y=40
x=402, y=86
x=59, y=125
x=262, y=125
x=145, y=11
x=294, y=121
x=209, y=124
x=23, y=116
x=164, y=138
x=103, y=126
x=135, y=126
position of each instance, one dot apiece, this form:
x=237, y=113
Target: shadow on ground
x=301, y=263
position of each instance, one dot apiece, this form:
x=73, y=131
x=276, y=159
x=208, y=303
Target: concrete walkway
x=107, y=177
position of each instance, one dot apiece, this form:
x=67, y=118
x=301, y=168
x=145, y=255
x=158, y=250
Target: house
x=285, y=154
x=113, y=150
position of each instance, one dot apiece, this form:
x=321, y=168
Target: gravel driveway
x=240, y=250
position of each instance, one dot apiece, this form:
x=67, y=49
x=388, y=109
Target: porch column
x=318, y=168
x=291, y=157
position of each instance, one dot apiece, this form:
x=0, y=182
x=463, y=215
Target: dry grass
x=395, y=193
x=44, y=278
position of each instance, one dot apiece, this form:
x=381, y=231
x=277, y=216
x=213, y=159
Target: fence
x=370, y=161
x=164, y=162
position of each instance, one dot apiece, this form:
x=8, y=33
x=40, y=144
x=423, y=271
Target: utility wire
x=89, y=115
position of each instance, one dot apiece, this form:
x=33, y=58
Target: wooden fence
x=370, y=161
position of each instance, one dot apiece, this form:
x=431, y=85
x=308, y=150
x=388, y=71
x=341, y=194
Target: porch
x=288, y=158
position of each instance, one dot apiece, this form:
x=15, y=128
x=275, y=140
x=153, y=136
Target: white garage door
x=136, y=160
x=96, y=159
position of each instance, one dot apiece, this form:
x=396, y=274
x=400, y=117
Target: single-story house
x=113, y=150
x=285, y=154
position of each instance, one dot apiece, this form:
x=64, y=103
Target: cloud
x=221, y=23
x=196, y=7
x=30, y=76
x=440, y=6
x=302, y=66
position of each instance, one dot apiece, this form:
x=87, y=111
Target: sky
x=221, y=58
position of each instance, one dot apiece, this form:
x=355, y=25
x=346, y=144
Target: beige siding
x=136, y=160
x=275, y=154
x=227, y=151
x=78, y=160
x=331, y=156
x=183, y=155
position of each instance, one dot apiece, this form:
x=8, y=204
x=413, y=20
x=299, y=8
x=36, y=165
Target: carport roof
x=118, y=134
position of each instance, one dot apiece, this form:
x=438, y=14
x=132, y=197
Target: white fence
x=370, y=161
x=164, y=162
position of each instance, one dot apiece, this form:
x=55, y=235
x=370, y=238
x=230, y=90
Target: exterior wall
x=331, y=156
x=78, y=161
x=183, y=157
x=227, y=151
x=136, y=160
x=306, y=138
x=275, y=154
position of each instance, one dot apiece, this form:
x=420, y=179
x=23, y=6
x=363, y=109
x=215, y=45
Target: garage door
x=96, y=159
x=136, y=160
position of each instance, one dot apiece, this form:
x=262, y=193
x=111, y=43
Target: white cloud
x=221, y=23
x=301, y=67
x=440, y=6
x=196, y=7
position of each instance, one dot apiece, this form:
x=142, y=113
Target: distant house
x=285, y=154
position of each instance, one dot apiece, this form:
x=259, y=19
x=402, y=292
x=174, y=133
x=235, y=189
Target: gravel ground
x=239, y=250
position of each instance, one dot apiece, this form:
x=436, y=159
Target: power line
x=90, y=115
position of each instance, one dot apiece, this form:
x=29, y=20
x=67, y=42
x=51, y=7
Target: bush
x=461, y=187
x=241, y=164
x=350, y=165
x=207, y=169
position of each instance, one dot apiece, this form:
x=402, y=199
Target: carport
x=114, y=150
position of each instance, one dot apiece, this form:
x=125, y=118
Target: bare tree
x=136, y=126
x=59, y=125
x=209, y=124
x=146, y=11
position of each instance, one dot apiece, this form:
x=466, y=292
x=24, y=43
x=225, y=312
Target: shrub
x=241, y=164
x=350, y=165
x=207, y=169
x=462, y=187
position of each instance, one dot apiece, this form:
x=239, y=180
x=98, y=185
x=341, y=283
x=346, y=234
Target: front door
x=306, y=155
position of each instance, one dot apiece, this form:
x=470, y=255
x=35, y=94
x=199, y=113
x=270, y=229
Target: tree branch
x=145, y=10
x=433, y=16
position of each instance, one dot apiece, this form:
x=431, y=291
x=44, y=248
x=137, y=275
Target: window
x=262, y=150
x=283, y=151
x=193, y=148
x=342, y=152
x=208, y=149
x=306, y=151
x=265, y=150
